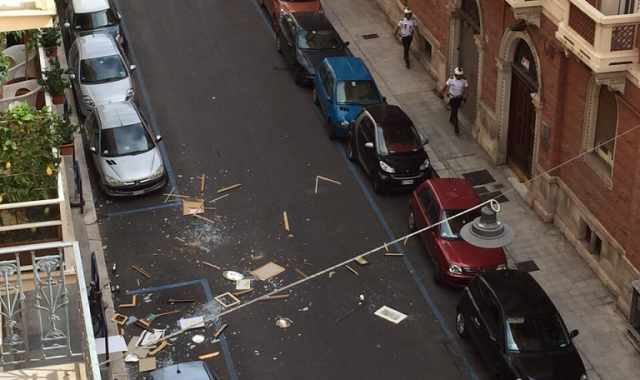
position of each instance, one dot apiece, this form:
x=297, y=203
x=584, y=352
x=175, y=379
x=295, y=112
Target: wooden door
x=521, y=126
x=468, y=56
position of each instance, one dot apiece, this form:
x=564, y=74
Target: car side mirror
x=93, y=149
x=132, y=67
x=573, y=334
x=158, y=138
x=67, y=24
x=368, y=145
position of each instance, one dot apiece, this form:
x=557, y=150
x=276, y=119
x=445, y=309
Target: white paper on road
x=191, y=323
x=390, y=314
x=116, y=344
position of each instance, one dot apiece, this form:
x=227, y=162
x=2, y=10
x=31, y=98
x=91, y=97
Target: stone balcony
x=605, y=43
x=26, y=14
x=527, y=10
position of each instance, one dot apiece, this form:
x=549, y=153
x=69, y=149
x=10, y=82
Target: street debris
x=361, y=260
x=284, y=323
x=202, y=183
x=116, y=343
x=204, y=218
x=151, y=317
x=232, y=275
x=219, y=198
x=275, y=297
x=149, y=338
x=135, y=349
x=243, y=284
x=147, y=364
x=393, y=254
x=229, y=188
x=301, y=273
x=163, y=344
x=134, y=302
x=192, y=207
x=197, y=339
x=211, y=265
x=319, y=177
x=209, y=355
x=242, y=292
x=267, y=271
x=175, y=300
x=227, y=299
x=119, y=319
x=285, y=221
x=220, y=331
x=140, y=270
x=331, y=273
x=131, y=358
x=352, y=270
x=191, y=323
x=391, y=315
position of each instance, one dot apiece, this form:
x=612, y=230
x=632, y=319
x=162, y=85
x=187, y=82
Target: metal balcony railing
x=44, y=312
x=606, y=43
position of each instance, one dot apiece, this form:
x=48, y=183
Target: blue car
x=342, y=86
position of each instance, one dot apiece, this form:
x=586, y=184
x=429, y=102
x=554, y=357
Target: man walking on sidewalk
x=456, y=89
x=407, y=27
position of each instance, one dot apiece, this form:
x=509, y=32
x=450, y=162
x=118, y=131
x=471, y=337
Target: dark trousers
x=406, y=43
x=455, y=103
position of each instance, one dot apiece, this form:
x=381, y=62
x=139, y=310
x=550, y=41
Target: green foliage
x=28, y=164
x=55, y=79
x=5, y=62
x=49, y=37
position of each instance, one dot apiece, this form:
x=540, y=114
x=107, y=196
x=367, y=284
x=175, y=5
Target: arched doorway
x=522, y=113
x=467, y=53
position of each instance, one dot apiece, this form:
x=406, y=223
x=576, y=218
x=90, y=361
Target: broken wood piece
x=405, y=242
x=229, y=188
x=174, y=300
x=267, y=271
x=361, y=260
x=202, y=182
x=192, y=207
x=141, y=271
x=385, y=247
x=134, y=302
x=171, y=194
x=393, y=254
x=227, y=299
x=218, y=198
x=143, y=324
x=163, y=344
x=211, y=265
x=242, y=292
x=352, y=270
x=285, y=220
x=330, y=180
x=209, y=355
x=276, y=297
x=204, y=218
x=220, y=331
x=119, y=318
x=301, y=273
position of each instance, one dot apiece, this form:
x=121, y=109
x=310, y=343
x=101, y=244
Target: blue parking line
x=423, y=290
x=233, y=373
x=142, y=209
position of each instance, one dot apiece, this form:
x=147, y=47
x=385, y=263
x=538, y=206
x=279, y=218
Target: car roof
x=349, y=68
x=96, y=45
x=519, y=293
x=312, y=20
x=88, y=6
x=389, y=116
x=120, y=114
x=454, y=193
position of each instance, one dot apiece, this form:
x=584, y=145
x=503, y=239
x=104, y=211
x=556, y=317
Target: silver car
x=124, y=150
x=99, y=72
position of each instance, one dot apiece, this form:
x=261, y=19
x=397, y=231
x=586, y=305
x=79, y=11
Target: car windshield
x=536, y=334
x=451, y=229
x=326, y=39
x=123, y=141
x=95, y=20
x=398, y=139
x=102, y=69
x=357, y=92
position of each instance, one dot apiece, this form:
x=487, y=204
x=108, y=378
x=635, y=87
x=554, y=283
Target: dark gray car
x=83, y=17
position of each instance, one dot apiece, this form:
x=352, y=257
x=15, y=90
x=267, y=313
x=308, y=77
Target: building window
x=606, y=123
x=591, y=240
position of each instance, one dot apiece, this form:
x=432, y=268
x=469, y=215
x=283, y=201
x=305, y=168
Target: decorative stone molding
x=527, y=10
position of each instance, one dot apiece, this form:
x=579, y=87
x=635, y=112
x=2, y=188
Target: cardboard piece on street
x=244, y=284
x=133, y=348
x=391, y=315
x=267, y=271
x=191, y=323
x=192, y=207
x=209, y=355
x=227, y=299
x=116, y=344
x=150, y=338
x=147, y=364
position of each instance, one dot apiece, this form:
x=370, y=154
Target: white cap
x=458, y=71
x=407, y=11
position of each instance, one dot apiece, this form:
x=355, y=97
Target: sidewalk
x=583, y=301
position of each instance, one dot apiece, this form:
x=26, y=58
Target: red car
x=456, y=262
x=274, y=7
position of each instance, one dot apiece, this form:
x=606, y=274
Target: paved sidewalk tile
x=580, y=297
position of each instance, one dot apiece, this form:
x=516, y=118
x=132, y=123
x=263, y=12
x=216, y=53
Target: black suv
x=389, y=148
x=305, y=39
x=517, y=329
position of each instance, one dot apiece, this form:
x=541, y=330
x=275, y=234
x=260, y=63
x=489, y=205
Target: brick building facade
x=555, y=95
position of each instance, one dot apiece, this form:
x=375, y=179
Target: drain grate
x=527, y=266
x=370, y=36
x=479, y=177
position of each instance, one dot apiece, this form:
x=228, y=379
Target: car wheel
x=315, y=97
x=349, y=150
x=412, y=221
x=461, y=328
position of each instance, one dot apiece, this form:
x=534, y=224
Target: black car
x=305, y=39
x=517, y=329
x=386, y=143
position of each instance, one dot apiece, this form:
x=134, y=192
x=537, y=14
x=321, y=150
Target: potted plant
x=49, y=39
x=65, y=131
x=55, y=80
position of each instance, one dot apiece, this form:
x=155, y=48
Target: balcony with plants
x=26, y=14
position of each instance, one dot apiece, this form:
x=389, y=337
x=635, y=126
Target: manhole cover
x=370, y=36
x=479, y=177
x=527, y=266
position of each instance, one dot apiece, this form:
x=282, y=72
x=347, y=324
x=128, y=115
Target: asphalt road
x=211, y=82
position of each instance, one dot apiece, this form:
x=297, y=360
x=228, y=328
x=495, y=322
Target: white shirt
x=456, y=86
x=406, y=27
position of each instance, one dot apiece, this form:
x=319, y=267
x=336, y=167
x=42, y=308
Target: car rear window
x=317, y=40
x=95, y=20
x=102, y=69
x=450, y=229
x=122, y=141
x=357, y=92
x=399, y=139
x=536, y=334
